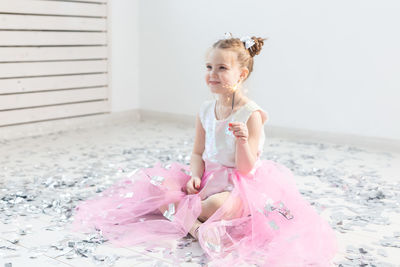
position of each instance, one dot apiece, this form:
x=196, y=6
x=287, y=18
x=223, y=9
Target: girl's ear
x=244, y=73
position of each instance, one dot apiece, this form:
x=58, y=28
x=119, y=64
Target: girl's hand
x=240, y=131
x=193, y=185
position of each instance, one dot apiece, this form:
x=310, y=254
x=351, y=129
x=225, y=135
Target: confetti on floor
x=42, y=178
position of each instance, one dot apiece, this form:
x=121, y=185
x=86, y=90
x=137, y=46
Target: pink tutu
x=265, y=220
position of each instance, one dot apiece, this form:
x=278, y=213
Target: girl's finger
x=239, y=133
x=190, y=191
x=235, y=129
x=193, y=189
x=189, y=188
x=234, y=124
x=197, y=184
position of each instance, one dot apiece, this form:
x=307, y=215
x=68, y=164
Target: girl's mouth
x=214, y=82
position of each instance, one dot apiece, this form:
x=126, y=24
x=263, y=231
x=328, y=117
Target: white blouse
x=220, y=142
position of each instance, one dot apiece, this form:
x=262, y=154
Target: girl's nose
x=213, y=73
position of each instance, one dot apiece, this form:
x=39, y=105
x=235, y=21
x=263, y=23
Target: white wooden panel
x=52, y=112
x=21, y=85
x=50, y=98
x=52, y=8
x=51, y=68
x=28, y=22
x=8, y=54
x=53, y=59
x=29, y=38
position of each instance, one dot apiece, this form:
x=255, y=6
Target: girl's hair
x=244, y=56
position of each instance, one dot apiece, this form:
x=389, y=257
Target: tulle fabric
x=264, y=221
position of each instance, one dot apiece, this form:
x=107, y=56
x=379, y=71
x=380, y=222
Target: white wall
x=124, y=54
x=328, y=65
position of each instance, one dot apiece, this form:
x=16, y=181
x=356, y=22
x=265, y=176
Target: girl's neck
x=226, y=99
x=225, y=106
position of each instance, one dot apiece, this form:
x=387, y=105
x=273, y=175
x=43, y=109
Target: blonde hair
x=244, y=56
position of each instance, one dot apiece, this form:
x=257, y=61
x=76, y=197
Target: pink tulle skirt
x=264, y=221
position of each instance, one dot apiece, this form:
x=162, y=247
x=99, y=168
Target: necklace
x=219, y=113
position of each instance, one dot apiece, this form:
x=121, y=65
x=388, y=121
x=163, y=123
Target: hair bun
x=256, y=48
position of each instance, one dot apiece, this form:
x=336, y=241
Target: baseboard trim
x=166, y=116
x=66, y=124
x=367, y=142
x=51, y=126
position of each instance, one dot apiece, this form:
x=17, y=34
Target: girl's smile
x=222, y=71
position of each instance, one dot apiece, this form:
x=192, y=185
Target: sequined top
x=220, y=143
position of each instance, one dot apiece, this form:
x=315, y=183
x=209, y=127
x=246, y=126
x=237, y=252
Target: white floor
x=43, y=177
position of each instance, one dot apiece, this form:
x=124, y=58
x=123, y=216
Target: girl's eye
x=222, y=67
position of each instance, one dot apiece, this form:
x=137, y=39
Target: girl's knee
x=216, y=203
x=212, y=204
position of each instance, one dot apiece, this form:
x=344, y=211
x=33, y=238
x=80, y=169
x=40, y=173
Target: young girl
x=240, y=208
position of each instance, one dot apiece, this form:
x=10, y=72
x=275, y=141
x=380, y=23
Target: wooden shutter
x=53, y=60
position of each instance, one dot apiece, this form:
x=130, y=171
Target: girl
x=240, y=208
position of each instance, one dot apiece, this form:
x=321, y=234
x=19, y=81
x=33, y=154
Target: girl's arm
x=247, y=142
x=196, y=161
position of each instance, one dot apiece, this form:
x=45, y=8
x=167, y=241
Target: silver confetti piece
x=382, y=252
x=213, y=247
x=70, y=255
x=128, y=195
x=7, y=248
x=188, y=257
x=169, y=214
x=284, y=211
x=13, y=241
x=279, y=206
x=157, y=180
x=273, y=225
x=99, y=257
x=269, y=206
x=21, y=232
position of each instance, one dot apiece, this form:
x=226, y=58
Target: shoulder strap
x=204, y=109
x=249, y=109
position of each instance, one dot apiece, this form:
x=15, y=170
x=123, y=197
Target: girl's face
x=222, y=71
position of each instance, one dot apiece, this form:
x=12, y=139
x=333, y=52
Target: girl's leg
x=195, y=227
x=208, y=207
x=212, y=204
x=194, y=230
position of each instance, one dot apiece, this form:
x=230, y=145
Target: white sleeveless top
x=220, y=143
